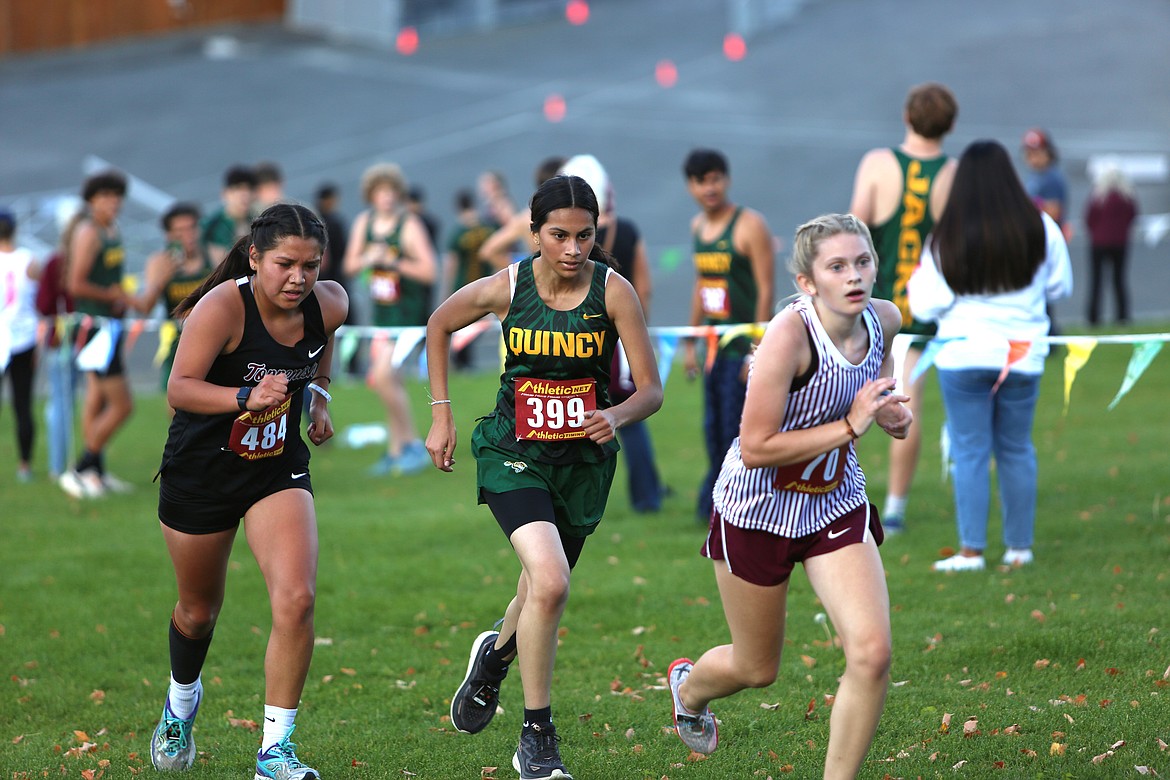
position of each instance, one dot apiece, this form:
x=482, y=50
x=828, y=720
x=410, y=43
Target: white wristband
x=321, y=391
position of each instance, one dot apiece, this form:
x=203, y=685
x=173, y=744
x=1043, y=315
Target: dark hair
x=106, y=181
x=990, y=237
x=931, y=109
x=182, y=209
x=547, y=169
x=276, y=222
x=568, y=192
x=7, y=224
x=700, y=162
x=464, y=199
x=239, y=175
x=327, y=190
x=416, y=194
x=268, y=172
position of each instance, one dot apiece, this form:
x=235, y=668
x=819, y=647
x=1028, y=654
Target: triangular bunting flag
x=1143, y=353
x=1078, y=355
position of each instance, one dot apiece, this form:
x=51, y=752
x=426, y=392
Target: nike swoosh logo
x=316, y=351
x=590, y=316
x=303, y=473
x=835, y=534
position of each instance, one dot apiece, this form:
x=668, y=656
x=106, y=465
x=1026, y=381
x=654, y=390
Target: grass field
x=1056, y=670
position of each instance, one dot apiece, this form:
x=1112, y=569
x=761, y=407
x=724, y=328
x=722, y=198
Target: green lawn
x=1051, y=665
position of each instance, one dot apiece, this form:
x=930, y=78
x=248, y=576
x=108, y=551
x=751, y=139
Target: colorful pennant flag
x=1078, y=355
x=1139, y=361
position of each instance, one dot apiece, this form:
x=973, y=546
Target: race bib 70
x=258, y=435
x=819, y=475
x=715, y=298
x=553, y=410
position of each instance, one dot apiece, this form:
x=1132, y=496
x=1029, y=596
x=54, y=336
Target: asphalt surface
x=817, y=88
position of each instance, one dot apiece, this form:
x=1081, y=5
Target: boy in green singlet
x=900, y=193
x=734, y=280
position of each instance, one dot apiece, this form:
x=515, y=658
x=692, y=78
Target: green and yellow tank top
x=899, y=239
x=399, y=301
x=556, y=368
x=727, y=286
x=107, y=269
x=183, y=283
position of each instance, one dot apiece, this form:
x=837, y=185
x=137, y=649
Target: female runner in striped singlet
x=791, y=490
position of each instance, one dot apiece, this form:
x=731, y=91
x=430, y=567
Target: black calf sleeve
x=187, y=655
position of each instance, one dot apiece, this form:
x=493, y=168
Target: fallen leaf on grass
x=810, y=713
x=694, y=756
x=1147, y=770
x=1162, y=745
x=1057, y=749
x=240, y=723
x=808, y=661
x=488, y=771
x=971, y=726
x=97, y=697
x=766, y=706
x=945, y=726
x=1043, y=663
x=1038, y=616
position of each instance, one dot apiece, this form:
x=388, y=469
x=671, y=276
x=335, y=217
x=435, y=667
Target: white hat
x=588, y=168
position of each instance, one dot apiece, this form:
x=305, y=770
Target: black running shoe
x=537, y=756
x=474, y=705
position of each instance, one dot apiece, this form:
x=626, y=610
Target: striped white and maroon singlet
x=748, y=498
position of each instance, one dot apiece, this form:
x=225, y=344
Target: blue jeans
x=62, y=376
x=645, y=486
x=723, y=395
x=981, y=424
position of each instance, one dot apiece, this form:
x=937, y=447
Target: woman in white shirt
x=987, y=272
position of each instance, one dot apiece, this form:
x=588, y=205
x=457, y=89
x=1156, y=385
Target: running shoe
x=1017, y=556
x=698, y=731
x=537, y=756
x=84, y=484
x=280, y=762
x=383, y=467
x=959, y=562
x=112, y=484
x=414, y=458
x=172, y=748
x=474, y=705
x=893, y=525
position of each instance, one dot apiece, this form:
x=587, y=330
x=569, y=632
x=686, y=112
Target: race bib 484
x=258, y=435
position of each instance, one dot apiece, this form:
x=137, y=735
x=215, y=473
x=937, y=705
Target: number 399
x=556, y=413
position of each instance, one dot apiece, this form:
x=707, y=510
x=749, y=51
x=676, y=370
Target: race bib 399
x=553, y=410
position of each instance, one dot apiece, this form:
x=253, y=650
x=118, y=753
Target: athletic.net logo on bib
x=552, y=409
x=261, y=434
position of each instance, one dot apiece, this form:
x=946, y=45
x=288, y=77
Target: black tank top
x=197, y=452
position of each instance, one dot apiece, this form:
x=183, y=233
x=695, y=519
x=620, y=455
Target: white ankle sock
x=278, y=722
x=184, y=697
x=895, y=506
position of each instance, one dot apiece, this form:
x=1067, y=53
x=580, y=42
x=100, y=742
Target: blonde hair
x=810, y=235
x=383, y=174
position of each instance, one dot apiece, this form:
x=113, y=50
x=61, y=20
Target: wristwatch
x=242, y=398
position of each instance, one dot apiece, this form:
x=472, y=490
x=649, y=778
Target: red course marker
x=666, y=74
x=554, y=108
x=407, y=41
x=577, y=12
x=734, y=47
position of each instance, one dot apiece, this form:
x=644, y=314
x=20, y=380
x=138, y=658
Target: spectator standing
x=1109, y=216
x=231, y=221
x=462, y=263
x=899, y=193
x=991, y=266
x=19, y=272
x=734, y=280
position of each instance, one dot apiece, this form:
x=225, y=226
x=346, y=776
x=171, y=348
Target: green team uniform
x=899, y=239
x=727, y=286
x=107, y=269
x=557, y=363
x=219, y=229
x=464, y=244
x=175, y=292
x=399, y=301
